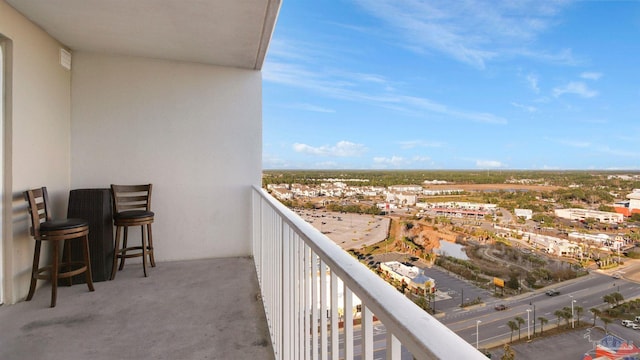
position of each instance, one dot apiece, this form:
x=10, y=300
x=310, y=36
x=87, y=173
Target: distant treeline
x=586, y=179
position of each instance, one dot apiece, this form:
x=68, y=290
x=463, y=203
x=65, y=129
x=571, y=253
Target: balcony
x=211, y=308
x=197, y=309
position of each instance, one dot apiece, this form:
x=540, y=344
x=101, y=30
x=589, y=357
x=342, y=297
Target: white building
x=527, y=214
x=413, y=276
x=583, y=214
x=402, y=198
x=401, y=188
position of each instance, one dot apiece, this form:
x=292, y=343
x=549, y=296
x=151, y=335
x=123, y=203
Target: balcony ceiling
x=232, y=33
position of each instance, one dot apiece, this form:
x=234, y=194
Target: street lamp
x=572, y=318
x=477, y=324
x=528, y=322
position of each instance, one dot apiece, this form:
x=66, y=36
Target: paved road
x=587, y=291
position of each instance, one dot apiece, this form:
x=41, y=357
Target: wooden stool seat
x=43, y=228
x=131, y=207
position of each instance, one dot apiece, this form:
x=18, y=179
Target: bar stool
x=132, y=207
x=44, y=228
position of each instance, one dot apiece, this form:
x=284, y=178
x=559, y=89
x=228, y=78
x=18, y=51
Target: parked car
x=617, y=276
x=501, y=307
x=552, y=292
x=627, y=323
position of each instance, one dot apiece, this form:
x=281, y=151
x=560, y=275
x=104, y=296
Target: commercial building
x=584, y=214
x=413, y=276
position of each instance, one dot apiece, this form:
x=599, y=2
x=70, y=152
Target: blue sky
x=392, y=84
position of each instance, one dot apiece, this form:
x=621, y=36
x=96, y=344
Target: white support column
x=367, y=333
x=307, y=302
x=393, y=347
x=287, y=294
x=335, y=345
x=348, y=323
x=314, y=306
x=324, y=341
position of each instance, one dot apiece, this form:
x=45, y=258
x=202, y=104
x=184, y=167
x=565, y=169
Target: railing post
x=286, y=297
x=324, y=342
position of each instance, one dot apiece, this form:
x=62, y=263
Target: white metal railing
x=301, y=301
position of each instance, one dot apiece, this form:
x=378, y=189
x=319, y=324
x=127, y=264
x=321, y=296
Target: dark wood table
x=95, y=206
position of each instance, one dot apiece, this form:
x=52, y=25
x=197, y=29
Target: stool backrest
x=38, y=203
x=131, y=197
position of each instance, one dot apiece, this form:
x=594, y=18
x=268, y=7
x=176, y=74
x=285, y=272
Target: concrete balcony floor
x=201, y=309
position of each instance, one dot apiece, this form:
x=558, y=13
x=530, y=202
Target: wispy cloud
x=576, y=88
x=310, y=107
x=395, y=161
x=410, y=144
x=469, y=32
x=618, y=152
x=346, y=87
x=533, y=83
x=591, y=75
x=340, y=149
x=570, y=142
x=489, y=164
x=526, y=108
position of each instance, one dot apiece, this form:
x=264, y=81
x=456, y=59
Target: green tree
x=567, y=314
x=513, y=327
x=579, y=310
x=617, y=298
x=596, y=313
x=609, y=299
x=559, y=315
x=513, y=282
x=520, y=321
x=605, y=321
x=543, y=320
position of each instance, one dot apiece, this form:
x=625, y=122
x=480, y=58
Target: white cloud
x=393, y=161
x=347, y=87
x=575, y=87
x=410, y=144
x=570, y=142
x=486, y=164
x=533, y=82
x=310, y=107
x=526, y=108
x=591, y=75
x=470, y=32
x=340, y=149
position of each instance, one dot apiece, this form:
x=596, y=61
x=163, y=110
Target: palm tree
x=606, y=321
x=520, y=322
x=617, y=297
x=559, y=315
x=579, y=310
x=567, y=314
x=596, y=313
x=543, y=320
x=513, y=326
x=609, y=299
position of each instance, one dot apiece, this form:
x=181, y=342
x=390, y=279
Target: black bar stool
x=44, y=228
x=132, y=207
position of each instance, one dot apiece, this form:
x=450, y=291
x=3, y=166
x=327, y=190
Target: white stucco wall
x=192, y=130
x=37, y=140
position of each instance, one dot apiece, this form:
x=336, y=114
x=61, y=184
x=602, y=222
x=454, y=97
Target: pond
x=451, y=249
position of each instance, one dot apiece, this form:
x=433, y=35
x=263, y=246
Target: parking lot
x=350, y=231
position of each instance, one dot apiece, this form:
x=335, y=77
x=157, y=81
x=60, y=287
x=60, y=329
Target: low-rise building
x=526, y=214
x=584, y=214
x=413, y=276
